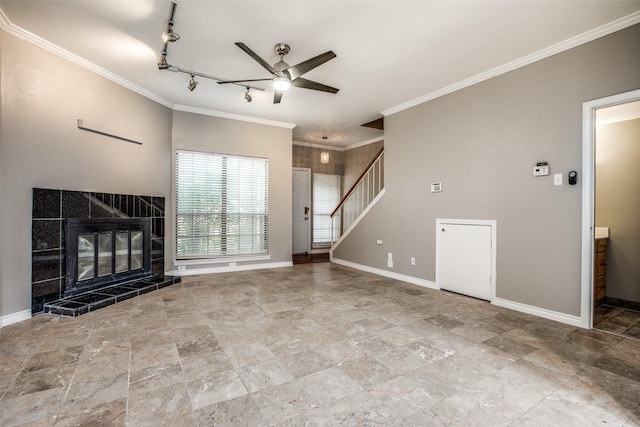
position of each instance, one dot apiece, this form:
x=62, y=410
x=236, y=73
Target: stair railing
x=368, y=185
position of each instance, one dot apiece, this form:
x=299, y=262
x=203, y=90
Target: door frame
x=485, y=222
x=308, y=170
x=588, y=195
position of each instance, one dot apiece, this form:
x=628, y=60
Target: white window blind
x=221, y=205
x=326, y=196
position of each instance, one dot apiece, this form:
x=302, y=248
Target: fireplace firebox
x=105, y=251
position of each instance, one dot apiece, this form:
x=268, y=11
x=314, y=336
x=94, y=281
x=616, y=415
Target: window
x=221, y=205
x=326, y=196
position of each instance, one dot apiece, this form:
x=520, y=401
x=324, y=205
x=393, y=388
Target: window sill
x=229, y=260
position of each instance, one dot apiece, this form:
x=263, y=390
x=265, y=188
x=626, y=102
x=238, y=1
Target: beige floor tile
x=314, y=345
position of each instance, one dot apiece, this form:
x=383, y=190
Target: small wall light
x=324, y=157
x=247, y=95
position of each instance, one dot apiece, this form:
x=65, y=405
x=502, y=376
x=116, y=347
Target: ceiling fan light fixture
x=281, y=83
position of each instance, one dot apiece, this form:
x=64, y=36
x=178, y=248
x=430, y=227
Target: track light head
x=247, y=95
x=170, y=36
x=192, y=83
x=163, y=64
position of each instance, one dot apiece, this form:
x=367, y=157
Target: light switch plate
x=557, y=179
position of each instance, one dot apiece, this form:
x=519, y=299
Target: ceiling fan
x=285, y=75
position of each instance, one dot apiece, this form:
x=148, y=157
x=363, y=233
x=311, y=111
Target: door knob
x=306, y=210
x=443, y=230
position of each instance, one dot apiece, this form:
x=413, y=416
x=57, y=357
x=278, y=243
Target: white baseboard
x=228, y=268
x=540, y=312
x=524, y=308
x=16, y=317
x=387, y=273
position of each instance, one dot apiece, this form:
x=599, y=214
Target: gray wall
x=618, y=204
x=42, y=98
x=356, y=160
x=211, y=134
x=482, y=143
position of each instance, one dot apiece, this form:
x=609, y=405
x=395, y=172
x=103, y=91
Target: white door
x=465, y=258
x=301, y=209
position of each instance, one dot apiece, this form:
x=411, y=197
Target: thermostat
x=436, y=187
x=541, y=169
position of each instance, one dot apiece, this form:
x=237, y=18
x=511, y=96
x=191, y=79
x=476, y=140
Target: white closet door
x=465, y=259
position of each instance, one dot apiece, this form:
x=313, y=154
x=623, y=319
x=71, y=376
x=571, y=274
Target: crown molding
x=9, y=27
x=334, y=148
x=223, y=115
x=570, y=43
x=320, y=146
x=363, y=143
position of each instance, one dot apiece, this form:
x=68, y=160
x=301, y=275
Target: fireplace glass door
x=106, y=251
x=86, y=256
x=105, y=259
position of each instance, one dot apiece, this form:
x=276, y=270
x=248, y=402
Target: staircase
x=364, y=193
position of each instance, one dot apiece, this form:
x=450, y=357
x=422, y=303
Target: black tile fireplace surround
x=54, y=210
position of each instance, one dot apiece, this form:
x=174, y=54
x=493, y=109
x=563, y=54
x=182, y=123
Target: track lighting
x=170, y=36
x=192, y=83
x=163, y=64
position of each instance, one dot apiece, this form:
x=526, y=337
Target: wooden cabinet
x=600, y=270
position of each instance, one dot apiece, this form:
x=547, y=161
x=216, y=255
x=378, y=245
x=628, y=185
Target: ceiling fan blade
x=308, y=84
x=256, y=57
x=243, y=81
x=277, y=96
x=308, y=65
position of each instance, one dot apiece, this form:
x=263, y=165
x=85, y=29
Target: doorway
x=589, y=197
x=301, y=210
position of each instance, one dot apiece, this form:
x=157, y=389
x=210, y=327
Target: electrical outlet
x=413, y=260
x=390, y=263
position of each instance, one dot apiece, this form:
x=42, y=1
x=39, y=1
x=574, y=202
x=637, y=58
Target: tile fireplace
x=91, y=249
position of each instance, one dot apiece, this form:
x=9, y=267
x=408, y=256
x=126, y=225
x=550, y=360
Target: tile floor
x=622, y=321
x=312, y=345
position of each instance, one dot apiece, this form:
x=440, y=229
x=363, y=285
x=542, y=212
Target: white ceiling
x=618, y=113
x=390, y=54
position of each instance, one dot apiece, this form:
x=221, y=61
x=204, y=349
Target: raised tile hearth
x=99, y=298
